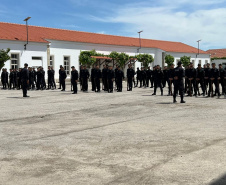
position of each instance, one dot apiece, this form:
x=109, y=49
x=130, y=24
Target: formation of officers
x=207, y=79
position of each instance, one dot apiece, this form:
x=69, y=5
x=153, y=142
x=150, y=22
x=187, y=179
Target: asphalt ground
x=117, y=138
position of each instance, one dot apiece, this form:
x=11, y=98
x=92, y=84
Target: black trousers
x=158, y=84
x=10, y=83
x=119, y=84
x=75, y=89
x=105, y=83
x=216, y=83
x=84, y=84
x=222, y=82
x=110, y=85
x=130, y=84
x=24, y=87
x=93, y=84
x=201, y=82
x=63, y=84
x=97, y=84
x=192, y=86
x=178, y=86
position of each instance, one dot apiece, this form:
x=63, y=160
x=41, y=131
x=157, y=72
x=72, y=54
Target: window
x=200, y=61
x=177, y=60
x=51, y=61
x=193, y=61
x=206, y=61
x=36, y=58
x=14, y=61
x=67, y=65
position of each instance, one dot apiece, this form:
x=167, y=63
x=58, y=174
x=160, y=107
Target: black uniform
x=63, y=76
x=130, y=77
x=222, y=74
x=143, y=78
x=31, y=79
x=116, y=82
x=171, y=82
x=11, y=80
x=165, y=77
x=214, y=73
x=138, y=73
x=74, y=78
x=93, y=79
x=84, y=76
x=24, y=80
x=158, y=76
x=200, y=74
x=110, y=76
x=207, y=79
x=119, y=76
x=178, y=74
x=4, y=78
x=192, y=83
x=19, y=79
x=104, y=79
x=97, y=76
x=148, y=76
x=50, y=78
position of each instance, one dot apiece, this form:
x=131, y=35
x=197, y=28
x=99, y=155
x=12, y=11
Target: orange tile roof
x=10, y=31
x=219, y=53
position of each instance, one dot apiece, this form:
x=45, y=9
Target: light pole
x=25, y=45
x=198, y=45
x=138, y=49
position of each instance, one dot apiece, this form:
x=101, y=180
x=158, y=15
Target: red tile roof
x=219, y=53
x=17, y=32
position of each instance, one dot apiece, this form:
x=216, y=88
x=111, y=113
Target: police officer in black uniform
x=74, y=79
x=25, y=79
x=104, y=78
x=63, y=77
x=214, y=79
x=178, y=74
x=11, y=79
x=170, y=79
x=191, y=75
x=111, y=77
x=92, y=78
x=200, y=74
x=207, y=80
x=158, y=76
x=97, y=77
x=130, y=77
x=222, y=74
x=119, y=76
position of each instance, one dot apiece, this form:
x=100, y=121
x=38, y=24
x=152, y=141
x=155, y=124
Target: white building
x=55, y=47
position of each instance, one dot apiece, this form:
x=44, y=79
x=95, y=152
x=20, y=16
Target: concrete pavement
x=55, y=137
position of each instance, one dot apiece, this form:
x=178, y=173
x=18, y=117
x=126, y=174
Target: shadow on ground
x=219, y=181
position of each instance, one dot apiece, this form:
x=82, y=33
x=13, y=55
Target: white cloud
x=184, y=21
x=102, y=32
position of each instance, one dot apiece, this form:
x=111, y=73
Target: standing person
x=111, y=77
x=19, y=79
x=3, y=78
x=35, y=75
x=222, y=74
x=104, y=78
x=186, y=79
x=192, y=80
x=200, y=79
x=130, y=77
x=97, y=77
x=11, y=79
x=15, y=78
x=7, y=78
x=148, y=76
x=63, y=76
x=25, y=79
x=170, y=79
x=207, y=81
x=116, y=83
x=178, y=76
x=84, y=75
x=50, y=78
x=53, y=78
x=152, y=77
x=60, y=76
x=214, y=79
x=165, y=76
x=93, y=70
x=74, y=79
x=143, y=77
x=119, y=76
x=158, y=76
x=138, y=76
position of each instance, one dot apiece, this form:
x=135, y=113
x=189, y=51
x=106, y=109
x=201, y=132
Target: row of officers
x=206, y=78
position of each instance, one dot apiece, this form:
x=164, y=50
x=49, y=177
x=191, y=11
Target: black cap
x=26, y=64
x=73, y=67
x=179, y=63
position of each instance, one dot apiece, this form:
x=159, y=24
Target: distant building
x=55, y=47
x=218, y=56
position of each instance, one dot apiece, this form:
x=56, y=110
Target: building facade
x=55, y=47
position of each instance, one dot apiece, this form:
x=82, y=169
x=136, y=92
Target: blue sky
x=174, y=20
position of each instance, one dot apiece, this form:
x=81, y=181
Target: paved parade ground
x=57, y=138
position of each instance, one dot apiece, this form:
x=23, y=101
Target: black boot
x=182, y=100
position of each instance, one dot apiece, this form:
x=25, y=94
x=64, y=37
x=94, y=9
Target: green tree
x=85, y=57
x=4, y=56
x=169, y=60
x=185, y=60
x=146, y=59
x=114, y=55
x=122, y=59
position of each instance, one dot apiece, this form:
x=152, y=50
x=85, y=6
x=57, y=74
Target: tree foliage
x=4, y=56
x=85, y=57
x=169, y=60
x=114, y=55
x=185, y=60
x=122, y=59
x=146, y=59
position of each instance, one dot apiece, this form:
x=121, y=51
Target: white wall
x=25, y=56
